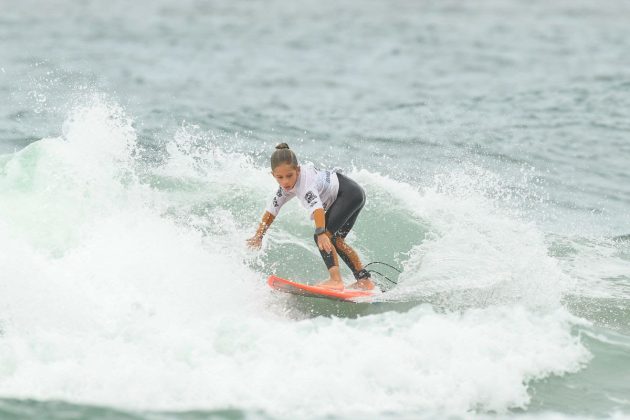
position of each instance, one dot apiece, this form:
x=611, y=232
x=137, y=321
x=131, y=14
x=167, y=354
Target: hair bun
x=282, y=146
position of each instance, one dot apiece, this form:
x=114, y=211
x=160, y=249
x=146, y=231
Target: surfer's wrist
x=262, y=229
x=320, y=231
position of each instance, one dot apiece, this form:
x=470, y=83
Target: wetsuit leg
x=350, y=257
x=340, y=219
x=330, y=258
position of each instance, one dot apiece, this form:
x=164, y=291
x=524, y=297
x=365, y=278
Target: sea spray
x=150, y=307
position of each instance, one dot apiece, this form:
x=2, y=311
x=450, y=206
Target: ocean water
x=492, y=139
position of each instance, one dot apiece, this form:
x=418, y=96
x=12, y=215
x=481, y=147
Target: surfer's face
x=286, y=175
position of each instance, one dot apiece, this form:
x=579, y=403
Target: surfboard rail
x=302, y=289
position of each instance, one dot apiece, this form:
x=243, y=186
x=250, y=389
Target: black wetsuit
x=340, y=218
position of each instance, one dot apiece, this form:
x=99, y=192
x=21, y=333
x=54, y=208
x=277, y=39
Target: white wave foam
x=412, y=362
x=600, y=266
x=144, y=310
x=56, y=185
x=474, y=243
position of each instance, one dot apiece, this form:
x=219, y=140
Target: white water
x=108, y=296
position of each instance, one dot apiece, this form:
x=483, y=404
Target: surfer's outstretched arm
x=256, y=240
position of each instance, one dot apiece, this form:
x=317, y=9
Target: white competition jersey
x=316, y=189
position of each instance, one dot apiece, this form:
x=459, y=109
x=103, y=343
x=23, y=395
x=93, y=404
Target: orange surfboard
x=289, y=286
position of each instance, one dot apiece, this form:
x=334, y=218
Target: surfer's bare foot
x=332, y=284
x=363, y=284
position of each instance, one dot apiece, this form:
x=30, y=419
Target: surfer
x=333, y=201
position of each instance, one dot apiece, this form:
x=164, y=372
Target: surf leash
x=381, y=274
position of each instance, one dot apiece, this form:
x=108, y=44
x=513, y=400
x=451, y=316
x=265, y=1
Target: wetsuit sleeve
x=278, y=200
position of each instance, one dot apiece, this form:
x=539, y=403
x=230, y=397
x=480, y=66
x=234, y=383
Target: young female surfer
x=333, y=201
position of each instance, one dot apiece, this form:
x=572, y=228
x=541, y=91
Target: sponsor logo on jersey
x=309, y=197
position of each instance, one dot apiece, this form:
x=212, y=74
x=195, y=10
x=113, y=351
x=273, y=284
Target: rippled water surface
x=492, y=140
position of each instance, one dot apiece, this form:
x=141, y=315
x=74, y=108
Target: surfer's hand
x=324, y=244
x=255, y=242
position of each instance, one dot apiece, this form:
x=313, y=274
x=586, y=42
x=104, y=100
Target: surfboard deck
x=301, y=289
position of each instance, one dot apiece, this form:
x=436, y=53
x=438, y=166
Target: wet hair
x=283, y=154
